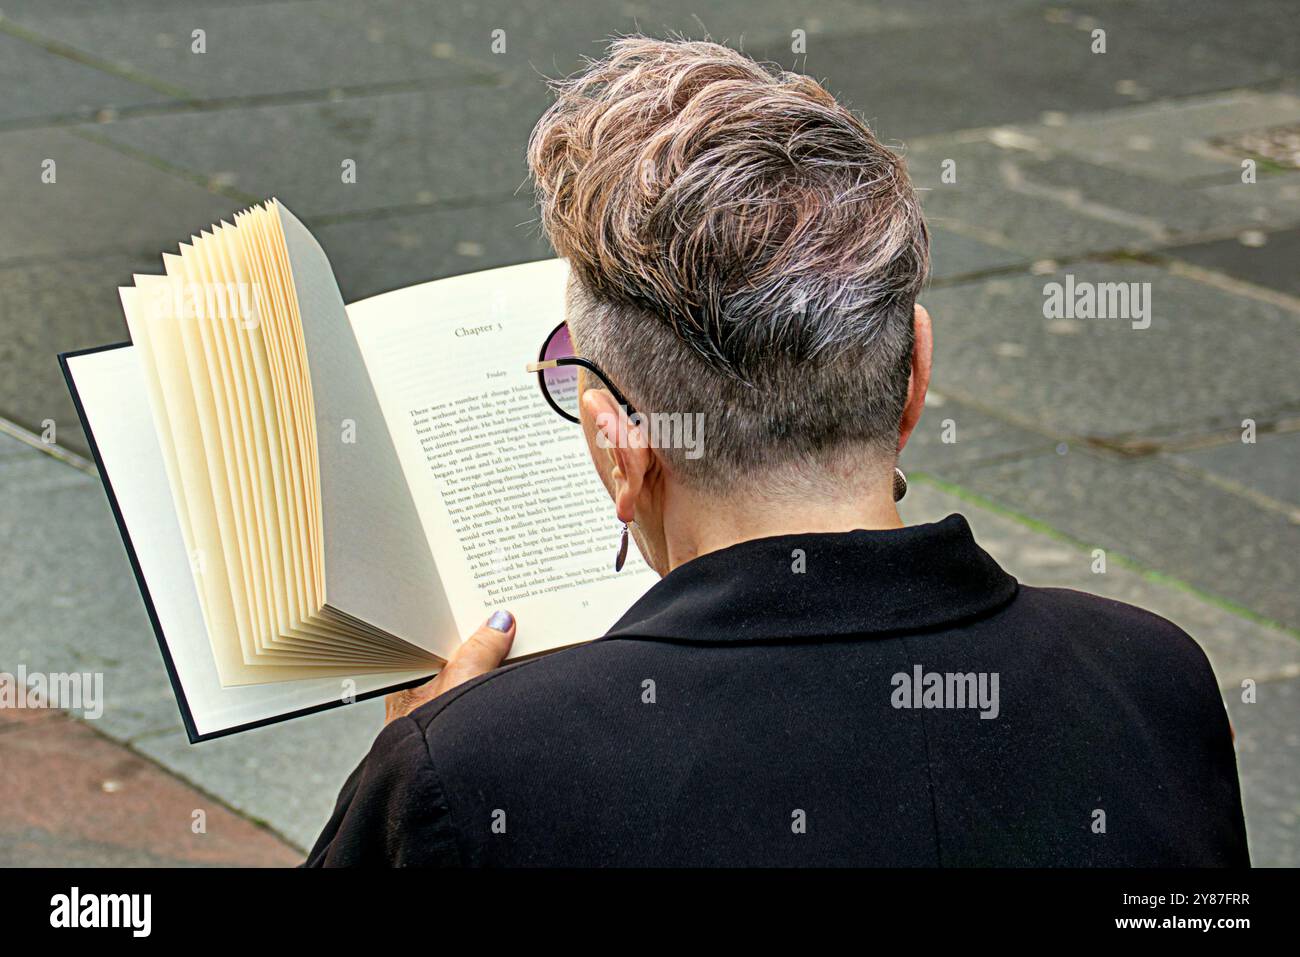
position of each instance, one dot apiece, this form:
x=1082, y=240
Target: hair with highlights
x=740, y=245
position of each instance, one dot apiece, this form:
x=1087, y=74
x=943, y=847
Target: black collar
x=852, y=583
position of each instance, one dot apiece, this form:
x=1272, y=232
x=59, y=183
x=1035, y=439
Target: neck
x=695, y=524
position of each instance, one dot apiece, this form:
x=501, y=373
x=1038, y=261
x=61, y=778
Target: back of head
x=741, y=246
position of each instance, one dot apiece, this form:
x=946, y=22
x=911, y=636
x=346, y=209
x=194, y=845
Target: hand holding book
x=478, y=654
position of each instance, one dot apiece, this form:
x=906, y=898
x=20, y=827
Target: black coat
x=753, y=709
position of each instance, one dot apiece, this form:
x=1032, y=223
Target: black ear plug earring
x=900, y=484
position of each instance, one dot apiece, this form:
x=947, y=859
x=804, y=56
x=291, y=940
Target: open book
x=319, y=501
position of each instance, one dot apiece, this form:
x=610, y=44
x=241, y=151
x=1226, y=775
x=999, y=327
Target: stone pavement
x=73, y=798
x=1039, y=159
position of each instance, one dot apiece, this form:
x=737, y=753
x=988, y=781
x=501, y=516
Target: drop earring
x=900, y=484
x=621, y=557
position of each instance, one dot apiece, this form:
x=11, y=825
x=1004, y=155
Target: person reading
x=810, y=681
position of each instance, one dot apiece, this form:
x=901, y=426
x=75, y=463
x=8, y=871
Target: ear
x=620, y=448
x=919, y=382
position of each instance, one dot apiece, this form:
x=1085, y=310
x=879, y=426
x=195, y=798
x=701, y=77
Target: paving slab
x=102, y=202
x=1167, y=210
x=374, y=255
x=249, y=50
x=1266, y=259
x=66, y=245
x=1173, y=47
x=954, y=255
x=111, y=807
x=42, y=85
x=13, y=448
x=541, y=38
x=1172, y=137
x=1224, y=543
x=71, y=603
x=50, y=307
x=993, y=201
x=1018, y=193
x=1269, y=466
x=1268, y=753
x=35, y=9
x=903, y=95
x=952, y=433
x=409, y=149
x=1208, y=359
x=1015, y=66
x=1275, y=195
x=287, y=775
x=1180, y=46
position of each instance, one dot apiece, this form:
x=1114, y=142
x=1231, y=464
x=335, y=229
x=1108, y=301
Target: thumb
x=484, y=649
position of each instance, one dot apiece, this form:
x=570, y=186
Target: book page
x=378, y=568
x=514, y=513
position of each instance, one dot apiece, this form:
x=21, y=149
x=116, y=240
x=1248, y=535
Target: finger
x=406, y=700
x=482, y=651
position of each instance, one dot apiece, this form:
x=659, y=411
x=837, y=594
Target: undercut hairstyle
x=740, y=245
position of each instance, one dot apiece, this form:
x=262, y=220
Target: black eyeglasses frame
x=543, y=363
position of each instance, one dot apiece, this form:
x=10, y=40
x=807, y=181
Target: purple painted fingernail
x=501, y=621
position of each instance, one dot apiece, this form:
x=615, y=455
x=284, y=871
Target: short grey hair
x=741, y=245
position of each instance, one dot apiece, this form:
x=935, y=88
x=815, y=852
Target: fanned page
x=511, y=506
x=114, y=402
x=224, y=359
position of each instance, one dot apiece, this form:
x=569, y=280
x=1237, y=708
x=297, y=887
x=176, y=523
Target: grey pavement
x=1039, y=160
